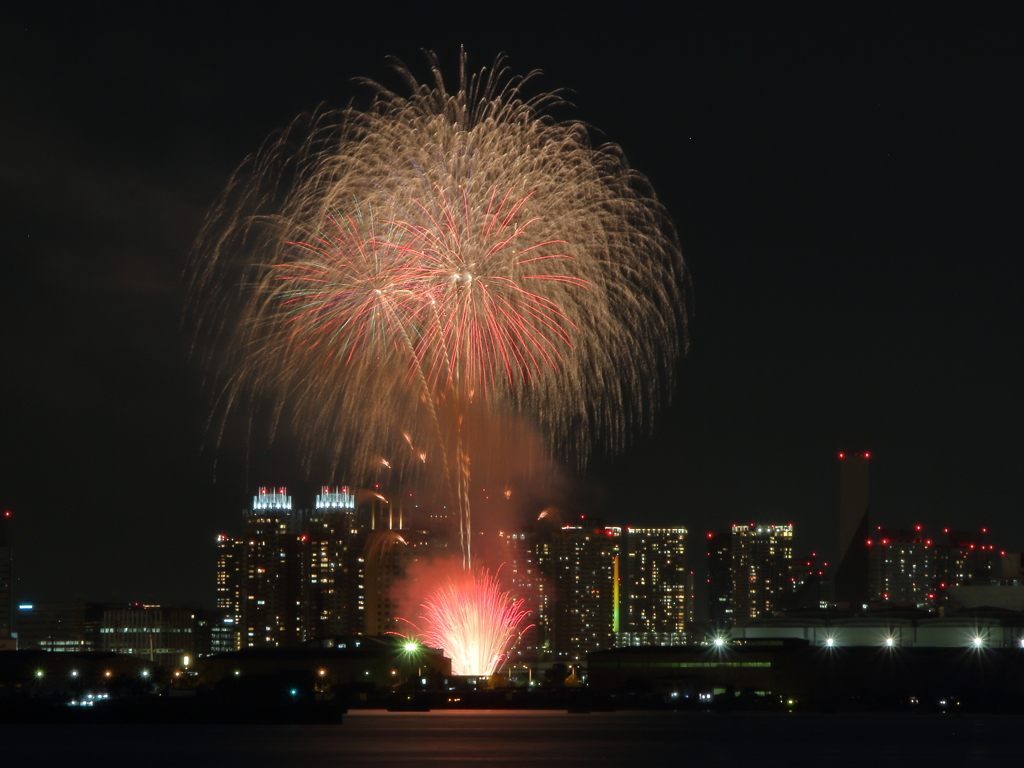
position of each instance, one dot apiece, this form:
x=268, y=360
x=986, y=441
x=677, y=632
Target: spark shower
x=410, y=280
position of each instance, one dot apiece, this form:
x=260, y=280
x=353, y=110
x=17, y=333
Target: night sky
x=845, y=180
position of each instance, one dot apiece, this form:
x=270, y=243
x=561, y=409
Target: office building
x=163, y=636
x=53, y=626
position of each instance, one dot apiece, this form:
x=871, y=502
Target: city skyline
x=844, y=184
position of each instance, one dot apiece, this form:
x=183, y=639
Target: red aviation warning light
x=842, y=455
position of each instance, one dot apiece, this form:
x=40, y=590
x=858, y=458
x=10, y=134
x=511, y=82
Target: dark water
x=534, y=738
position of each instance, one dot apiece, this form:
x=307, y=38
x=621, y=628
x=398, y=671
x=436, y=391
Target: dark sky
x=845, y=179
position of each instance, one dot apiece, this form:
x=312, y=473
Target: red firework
x=451, y=288
x=474, y=621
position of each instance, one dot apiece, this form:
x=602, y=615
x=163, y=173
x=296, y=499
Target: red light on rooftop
x=869, y=542
x=917, y=527
x=867, y=455
x=842, y=455
x=7, y=513
x=885, y=541
x=984, y=530
x=711, y=535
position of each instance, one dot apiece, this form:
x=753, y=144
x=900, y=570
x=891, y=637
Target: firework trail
x=422, y=270
x=474, y=621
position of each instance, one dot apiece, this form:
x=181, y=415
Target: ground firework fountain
x=437, y=261
x=474, y=620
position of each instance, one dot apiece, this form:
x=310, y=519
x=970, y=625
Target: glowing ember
x=474, y=621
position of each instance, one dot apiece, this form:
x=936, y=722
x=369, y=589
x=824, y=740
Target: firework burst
x=441, y=257
x=474, y=621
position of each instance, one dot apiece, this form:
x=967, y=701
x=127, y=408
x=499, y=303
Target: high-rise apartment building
x=6, y=578
x=387, y=556
x=761, y=556
x=968, y=558
x=657, y=593
x=721, y=612
x=230, y=584
x=271, y=611
x=527, y=573
x=585, y=562
x=329, y=565
x=303, y=574
x=901, y=567
x=908, y=567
